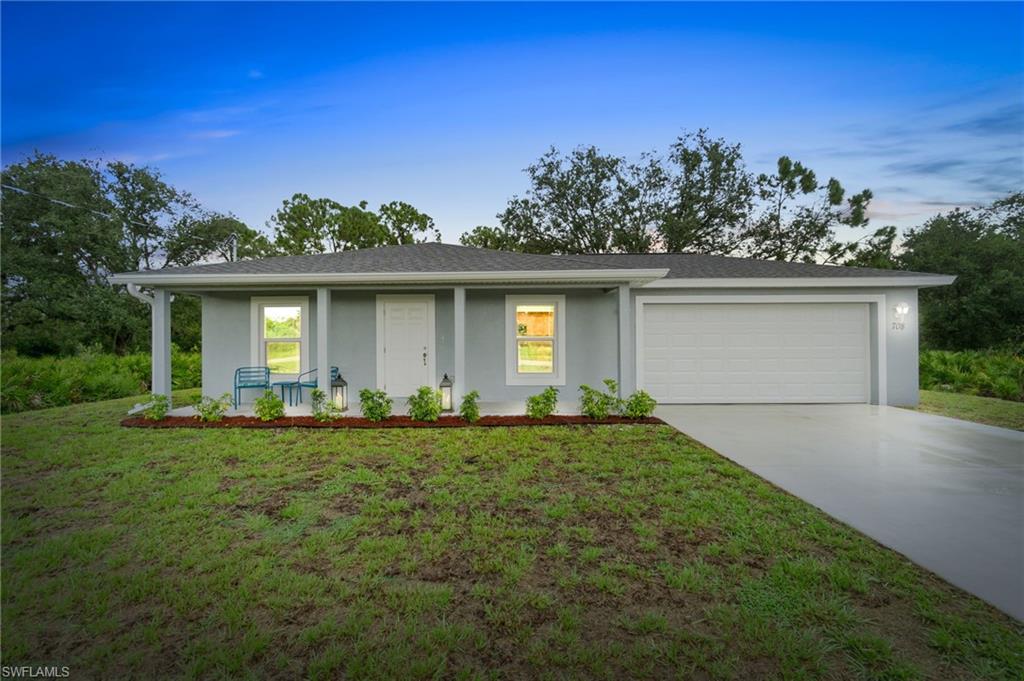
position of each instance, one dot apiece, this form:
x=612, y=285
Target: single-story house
x=686, y=328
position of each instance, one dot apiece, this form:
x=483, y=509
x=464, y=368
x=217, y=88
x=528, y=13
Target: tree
x=147, y=209
x=984, y=248
x=710, y=195
x=306, y=225
x=798, y=216
x=403, y=224
x=209, y=239
x=55, y=258
x=574, y=204
x=494, y=238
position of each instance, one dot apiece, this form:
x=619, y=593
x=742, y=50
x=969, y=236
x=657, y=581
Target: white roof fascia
x=805, y=282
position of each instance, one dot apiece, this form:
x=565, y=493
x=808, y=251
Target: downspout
x=135, y=292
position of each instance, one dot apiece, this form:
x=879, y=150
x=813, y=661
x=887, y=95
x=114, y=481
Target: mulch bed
x=392, y=422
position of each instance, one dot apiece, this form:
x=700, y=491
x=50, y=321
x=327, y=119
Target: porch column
x=459, y=387
x=323, y=324
x=161, y=342
x=626, y=357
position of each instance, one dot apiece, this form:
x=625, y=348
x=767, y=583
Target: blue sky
x=444, y=105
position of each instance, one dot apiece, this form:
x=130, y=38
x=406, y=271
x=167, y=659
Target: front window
x=280, y=334
x=282, y=338
x=536, y=340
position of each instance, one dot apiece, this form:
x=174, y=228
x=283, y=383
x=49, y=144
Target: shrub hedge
x=40, y=382
x=990, y=373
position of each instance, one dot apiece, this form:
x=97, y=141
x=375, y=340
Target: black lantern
x=339, y=392
x=446, y=393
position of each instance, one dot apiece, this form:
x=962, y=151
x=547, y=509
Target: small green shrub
x=375, y=404
x=597, y=404
x=639, y=405
x=90, y=376
x=212, y=409
x=158, y=407
x=425, y=404
x=324, y=408
x=542, y=405
x=469, y=410
x=990, y=373
x=268, y=407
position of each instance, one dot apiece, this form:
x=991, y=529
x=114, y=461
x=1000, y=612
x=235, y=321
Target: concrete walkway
x=948, y=494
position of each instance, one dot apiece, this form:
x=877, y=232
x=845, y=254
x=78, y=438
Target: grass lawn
x=989, y=410
x=554, y=552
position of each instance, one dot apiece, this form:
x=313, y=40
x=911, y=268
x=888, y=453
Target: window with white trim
x=535, y=340
x=280, y=334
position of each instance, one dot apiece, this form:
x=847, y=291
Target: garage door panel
x=757, y=352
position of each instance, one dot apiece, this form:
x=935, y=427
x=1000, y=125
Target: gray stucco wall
x=591, y=342
x=591, y=338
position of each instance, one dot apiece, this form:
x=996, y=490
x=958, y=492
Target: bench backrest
x=252, y=376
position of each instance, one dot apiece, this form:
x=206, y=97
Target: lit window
x=281, y=327
x=536, y=341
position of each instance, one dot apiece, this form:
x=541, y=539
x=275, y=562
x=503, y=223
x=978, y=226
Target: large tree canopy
x=67, y=225
x=306, y=225
x=985, y=249
x=698, y=198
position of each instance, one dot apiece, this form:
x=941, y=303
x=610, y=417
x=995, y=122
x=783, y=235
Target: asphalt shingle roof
x=428, y=257
x=437, y=257
x=697, y=266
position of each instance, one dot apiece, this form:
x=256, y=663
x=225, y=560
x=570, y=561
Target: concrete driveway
x=947, y=494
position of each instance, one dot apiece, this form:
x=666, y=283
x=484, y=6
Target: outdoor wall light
x=900, y=312
x=446, y=393
x=339, y=392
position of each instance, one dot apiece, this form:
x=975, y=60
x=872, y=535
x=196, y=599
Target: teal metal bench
x=250, y=378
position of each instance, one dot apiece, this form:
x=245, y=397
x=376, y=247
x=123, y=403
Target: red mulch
x=392, y=422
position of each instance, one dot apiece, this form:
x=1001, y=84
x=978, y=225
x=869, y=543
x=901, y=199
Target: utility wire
x=231, y=242
x=72, y=205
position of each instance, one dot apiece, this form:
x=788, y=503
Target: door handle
x=424, y=358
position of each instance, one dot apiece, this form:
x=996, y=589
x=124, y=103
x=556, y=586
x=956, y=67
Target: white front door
x=405, y=359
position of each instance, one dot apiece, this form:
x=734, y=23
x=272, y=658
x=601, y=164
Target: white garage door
x=763, y=352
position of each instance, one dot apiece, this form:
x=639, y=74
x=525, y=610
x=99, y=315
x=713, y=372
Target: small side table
x=291, y=386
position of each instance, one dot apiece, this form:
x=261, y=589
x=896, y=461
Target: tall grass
x=39, y=382
x=990, y=373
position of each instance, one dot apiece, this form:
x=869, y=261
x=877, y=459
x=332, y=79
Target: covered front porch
x=383, y=338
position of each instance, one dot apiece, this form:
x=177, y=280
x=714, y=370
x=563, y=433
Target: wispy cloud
x=213, y=134
x=255, y=74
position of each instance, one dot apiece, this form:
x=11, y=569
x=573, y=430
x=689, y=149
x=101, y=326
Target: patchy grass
x=588, y=552
x=987, y=410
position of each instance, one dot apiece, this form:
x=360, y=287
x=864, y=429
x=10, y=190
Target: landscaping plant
x=990, y=373
x=425, y=404
x=212, y=409
x=158, y=407
x=268, y=407
x=639, y=405
x=597, y=404
x=542, y=405
x=469, y=410
x=324, y=409
x=43, y=382
x=375, y=404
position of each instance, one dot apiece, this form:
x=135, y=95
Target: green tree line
x=67, y=225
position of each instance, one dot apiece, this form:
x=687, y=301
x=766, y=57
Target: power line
x=72, y=205
x=231, y=242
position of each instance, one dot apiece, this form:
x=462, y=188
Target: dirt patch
x=391, y=422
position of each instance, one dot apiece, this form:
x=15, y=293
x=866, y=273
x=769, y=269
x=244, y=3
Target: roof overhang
x=909, y=281
x=195, y=280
